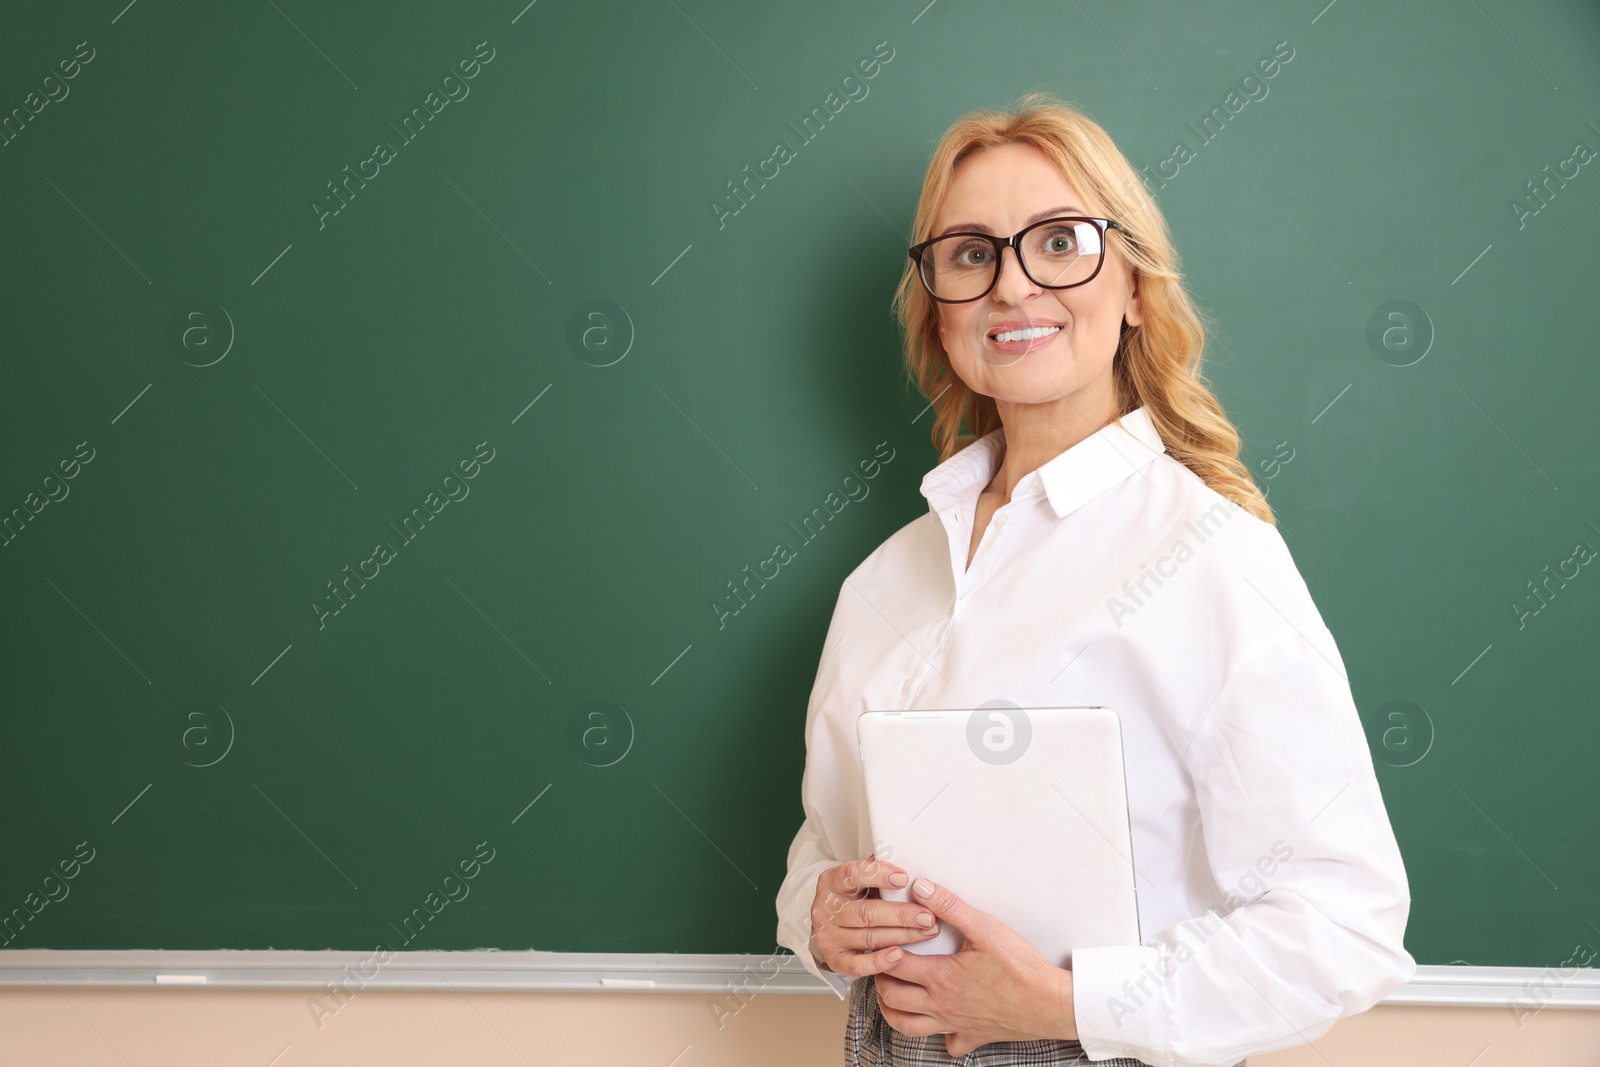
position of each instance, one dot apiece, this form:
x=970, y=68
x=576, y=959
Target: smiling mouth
x=1016, y=340
x=1030, y=333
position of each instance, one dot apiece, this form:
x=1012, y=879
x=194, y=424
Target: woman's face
x=999, y=191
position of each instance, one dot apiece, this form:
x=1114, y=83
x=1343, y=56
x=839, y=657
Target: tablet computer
x=1021, y=812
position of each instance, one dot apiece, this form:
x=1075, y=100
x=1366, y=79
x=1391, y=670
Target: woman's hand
x=856, y=934
x=997, y=987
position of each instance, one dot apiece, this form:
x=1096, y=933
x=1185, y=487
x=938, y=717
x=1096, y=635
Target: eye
x=971, y=253
x=1063, y=239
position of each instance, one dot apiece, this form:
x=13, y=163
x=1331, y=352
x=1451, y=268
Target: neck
x=1034, y=434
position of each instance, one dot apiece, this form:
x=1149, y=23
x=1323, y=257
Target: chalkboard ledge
x=578, y=972
x=487, y=969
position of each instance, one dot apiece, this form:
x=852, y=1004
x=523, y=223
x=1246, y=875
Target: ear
x=1133, y=313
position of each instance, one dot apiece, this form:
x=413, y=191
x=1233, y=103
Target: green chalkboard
x=392, y=391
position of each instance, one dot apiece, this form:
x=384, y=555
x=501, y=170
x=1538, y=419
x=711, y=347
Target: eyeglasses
x=1065, y=251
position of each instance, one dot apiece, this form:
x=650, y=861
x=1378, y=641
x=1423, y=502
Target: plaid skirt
x=869, y=1041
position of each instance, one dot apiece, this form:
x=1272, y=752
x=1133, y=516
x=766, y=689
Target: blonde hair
x=1157, y=365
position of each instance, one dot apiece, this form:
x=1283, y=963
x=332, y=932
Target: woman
x=1094, y=539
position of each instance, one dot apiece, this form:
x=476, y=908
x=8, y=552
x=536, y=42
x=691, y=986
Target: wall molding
x=1457, y=986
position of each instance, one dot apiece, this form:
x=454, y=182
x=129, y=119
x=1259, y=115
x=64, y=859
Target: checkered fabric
x=869, y=1041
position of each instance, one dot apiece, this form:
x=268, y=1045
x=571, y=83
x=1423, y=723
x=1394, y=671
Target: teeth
x=1026, y=335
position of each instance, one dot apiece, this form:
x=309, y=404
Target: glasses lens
x=1056, y=254
x=958, y=268
x=1062, y=253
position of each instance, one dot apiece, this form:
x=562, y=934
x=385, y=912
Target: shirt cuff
x=838, y=982
x=795, y=933
x=1113, y=1015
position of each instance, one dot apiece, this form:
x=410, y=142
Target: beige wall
x=240, y=1028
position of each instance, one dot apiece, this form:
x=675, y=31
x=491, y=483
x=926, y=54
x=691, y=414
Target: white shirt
x=1271, y=890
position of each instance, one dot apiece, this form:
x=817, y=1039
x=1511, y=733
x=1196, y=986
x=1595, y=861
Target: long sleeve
x=1297, y=837
x=823, y=792
x=809, y=856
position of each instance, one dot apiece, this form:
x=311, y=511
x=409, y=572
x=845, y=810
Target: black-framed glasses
x=1056, y=253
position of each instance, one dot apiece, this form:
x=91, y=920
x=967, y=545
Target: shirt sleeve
x=812, y=852
x=1297, y=837
x=809, y=856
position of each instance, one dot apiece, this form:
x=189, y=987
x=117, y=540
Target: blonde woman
x=1093, y=538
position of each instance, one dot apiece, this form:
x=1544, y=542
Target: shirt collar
x=1073, y=478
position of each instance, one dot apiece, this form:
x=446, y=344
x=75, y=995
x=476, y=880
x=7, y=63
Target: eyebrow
x=1037, y=217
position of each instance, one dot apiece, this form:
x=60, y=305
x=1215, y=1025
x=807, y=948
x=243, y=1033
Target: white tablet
x=1021, y=812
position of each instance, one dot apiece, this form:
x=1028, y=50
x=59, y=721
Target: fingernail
x=897, y=879
x=925, y=919
x=893, y=956
x=922, y=887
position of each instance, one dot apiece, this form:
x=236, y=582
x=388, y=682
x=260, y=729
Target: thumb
x=949, y=907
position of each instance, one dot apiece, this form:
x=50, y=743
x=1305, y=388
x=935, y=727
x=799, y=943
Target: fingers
x=847, y=931
x=907, y=998
x=861, y=963
x=947, y=906
x=872, y=938
x=874, y=912
x=909, y=1022
x=843, y=898
x=907, y=1008
x=869, y=924
x=858, y=934
x=857, y=876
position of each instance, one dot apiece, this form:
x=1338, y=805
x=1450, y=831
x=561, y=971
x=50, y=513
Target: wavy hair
x=1157, y=365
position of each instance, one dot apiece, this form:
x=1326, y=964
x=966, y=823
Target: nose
x=1014, y=285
